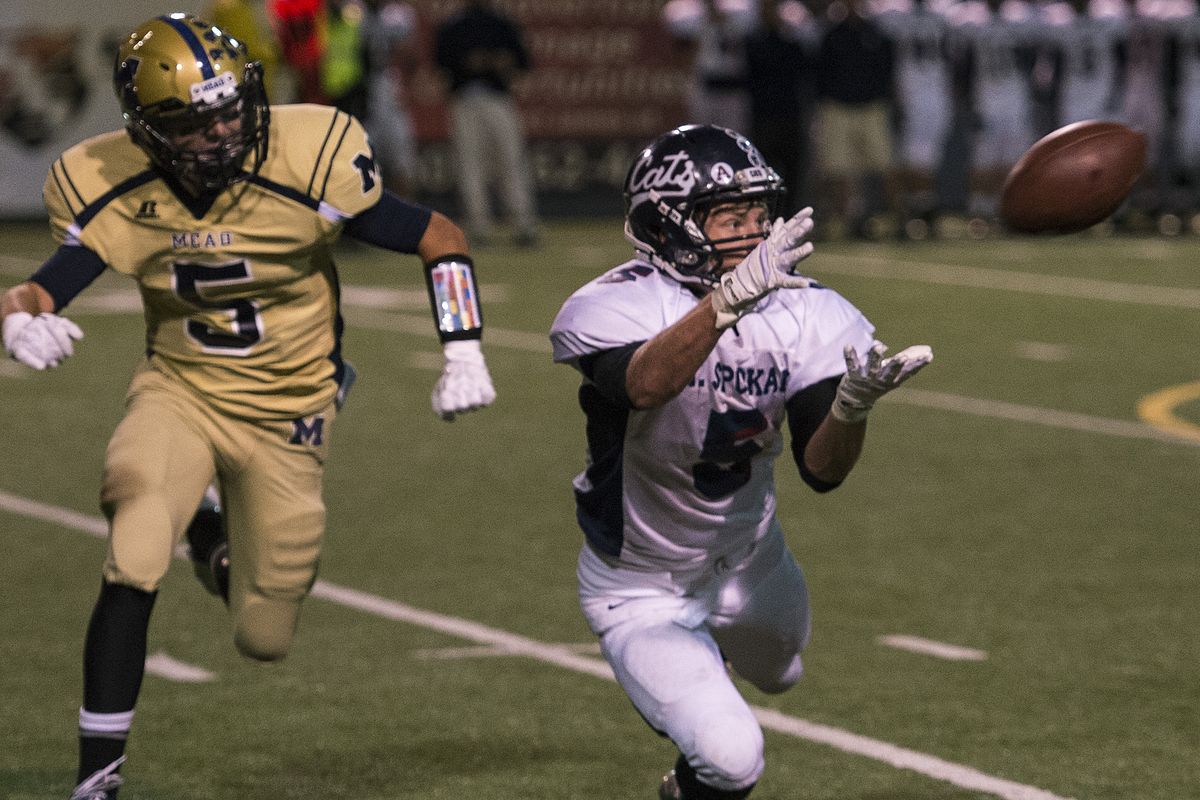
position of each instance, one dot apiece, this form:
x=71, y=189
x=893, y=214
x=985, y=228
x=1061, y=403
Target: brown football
x=1073, y=177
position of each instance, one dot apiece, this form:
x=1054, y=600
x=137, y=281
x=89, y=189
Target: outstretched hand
x=768, y=267
x=865, y=382
x=40, y=342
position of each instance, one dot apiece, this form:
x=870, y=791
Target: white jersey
x=668, y=489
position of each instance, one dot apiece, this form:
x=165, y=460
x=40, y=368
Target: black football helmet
x=676, y=181
x=177, y=75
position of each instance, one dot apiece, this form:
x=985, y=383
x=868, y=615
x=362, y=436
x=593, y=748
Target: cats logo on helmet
x=676, y=181
x=194, y=101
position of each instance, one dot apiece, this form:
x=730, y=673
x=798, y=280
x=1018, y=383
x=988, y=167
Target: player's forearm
x=28, y=297
x=663, y=366
x=834, y=449
x=441, y=238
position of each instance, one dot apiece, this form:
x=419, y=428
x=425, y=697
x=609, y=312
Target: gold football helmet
x=193, y=100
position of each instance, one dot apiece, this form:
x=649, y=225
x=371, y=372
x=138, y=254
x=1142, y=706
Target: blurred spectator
x=924, y=104
x=343, y=69
x=781, y=70
x=993, y=43
x=299, y=28
x=855, y=97
x=248, y=23
x=482, y=52
x=390, y=34
x=714, y=33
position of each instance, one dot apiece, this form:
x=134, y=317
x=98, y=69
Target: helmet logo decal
x=214, y=89
x=673, y=176
x=722, y=173
x=193, y=42
x=751, y=151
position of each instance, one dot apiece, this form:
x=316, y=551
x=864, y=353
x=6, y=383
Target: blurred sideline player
x=993, y=47
x=695, y=355
x=714, y=34
x=1087, y=39
x=1144, y=105
x=1184, y=83
x=924, y=92
x=225, y=211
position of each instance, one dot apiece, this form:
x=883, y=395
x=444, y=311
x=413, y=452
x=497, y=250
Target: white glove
x=465, y=384
x=767, y=268
x=39, y=342
x=863, y=384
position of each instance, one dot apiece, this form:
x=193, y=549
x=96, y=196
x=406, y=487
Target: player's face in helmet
x=736, y=228
x=193, y=101
x=697, y=200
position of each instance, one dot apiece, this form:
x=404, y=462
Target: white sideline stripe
x=929, y=647
x=486, y=651
x=1007, y=280
x=1037, y=416
x=164, y=666
x=456, y=653
x=422, y=325
x=462, y=628
x=96, y=526
x=902, y=758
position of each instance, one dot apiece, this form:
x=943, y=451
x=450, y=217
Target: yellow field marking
x=1158, y=409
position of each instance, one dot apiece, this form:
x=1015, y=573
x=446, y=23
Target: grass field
x=1010, y=500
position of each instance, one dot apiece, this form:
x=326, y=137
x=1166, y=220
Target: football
x=1072, y=178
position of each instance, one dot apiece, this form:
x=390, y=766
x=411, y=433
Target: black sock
x=693, y=789
x=114, y=661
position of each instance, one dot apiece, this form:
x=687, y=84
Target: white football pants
x=667, y=638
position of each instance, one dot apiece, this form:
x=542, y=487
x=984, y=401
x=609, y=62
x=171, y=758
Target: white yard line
x=1043, y=351
x=1006, y=280
x=931, y=766
x=488, y=651
x=1036, y=415
x=929, y=647
x=164, y=666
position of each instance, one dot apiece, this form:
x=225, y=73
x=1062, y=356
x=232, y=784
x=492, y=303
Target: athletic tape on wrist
x=454, y=298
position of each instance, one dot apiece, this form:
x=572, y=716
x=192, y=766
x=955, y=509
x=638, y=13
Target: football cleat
x=101, y=784
x=669, y=788
x=208, y=547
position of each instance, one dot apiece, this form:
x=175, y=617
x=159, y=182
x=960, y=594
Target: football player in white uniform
x=225, y=211
x=695, y=355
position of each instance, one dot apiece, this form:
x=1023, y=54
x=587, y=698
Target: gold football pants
x=163, y=454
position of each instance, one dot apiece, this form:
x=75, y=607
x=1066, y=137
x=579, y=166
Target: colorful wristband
x=454, y=297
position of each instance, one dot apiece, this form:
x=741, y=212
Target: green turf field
x=1010, y=500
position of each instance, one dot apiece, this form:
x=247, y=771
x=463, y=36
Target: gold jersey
x=241, y=302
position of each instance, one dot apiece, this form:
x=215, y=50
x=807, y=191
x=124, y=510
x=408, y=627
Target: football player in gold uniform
x=224, y=211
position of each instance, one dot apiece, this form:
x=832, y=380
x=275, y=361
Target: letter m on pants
x=305, y=432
